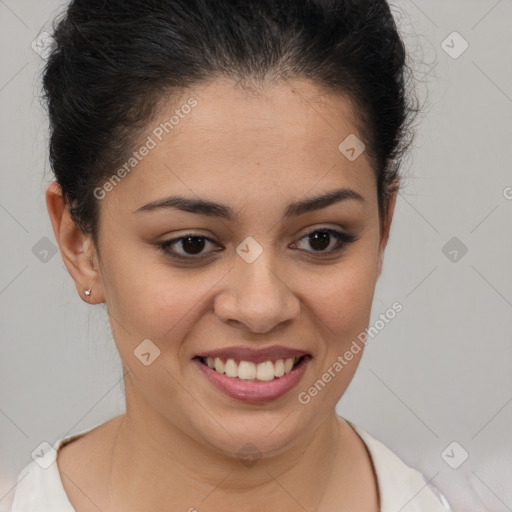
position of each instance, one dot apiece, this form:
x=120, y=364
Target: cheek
x=149, y=299
x=158, y=305
x=341, y=305
x=342, y=296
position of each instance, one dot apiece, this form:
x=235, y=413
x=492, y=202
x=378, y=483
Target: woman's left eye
x=320, y=239
x=193, y=245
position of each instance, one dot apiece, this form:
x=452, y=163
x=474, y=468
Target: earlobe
x=77, y=249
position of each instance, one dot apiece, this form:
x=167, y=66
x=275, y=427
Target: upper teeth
x=247, y=370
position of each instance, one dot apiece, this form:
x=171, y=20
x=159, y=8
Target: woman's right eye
x=190, y=243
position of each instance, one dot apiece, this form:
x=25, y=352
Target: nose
x=257, y=298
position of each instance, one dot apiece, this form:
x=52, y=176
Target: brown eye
x=193, y=244
x=320, y=240
x=191, y=247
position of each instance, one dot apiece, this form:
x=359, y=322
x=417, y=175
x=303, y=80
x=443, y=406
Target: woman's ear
x=77, y=249
x=386, y=226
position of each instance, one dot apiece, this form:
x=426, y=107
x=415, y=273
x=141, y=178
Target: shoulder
x=40, y=485
x=400, y=486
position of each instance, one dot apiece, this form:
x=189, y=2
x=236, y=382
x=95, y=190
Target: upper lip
x=255, y=355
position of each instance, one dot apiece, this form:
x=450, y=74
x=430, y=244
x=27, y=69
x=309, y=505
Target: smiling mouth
x=264, y=371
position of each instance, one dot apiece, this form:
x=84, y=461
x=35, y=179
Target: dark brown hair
x=115, y=60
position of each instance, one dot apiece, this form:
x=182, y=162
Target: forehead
x=283, y=137
x=297, y=117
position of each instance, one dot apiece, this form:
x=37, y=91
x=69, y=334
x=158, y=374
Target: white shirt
x=39, y=486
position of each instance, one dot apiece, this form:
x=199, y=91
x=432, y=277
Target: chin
x=266, y=433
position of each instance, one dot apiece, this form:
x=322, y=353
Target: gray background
x=439, y=372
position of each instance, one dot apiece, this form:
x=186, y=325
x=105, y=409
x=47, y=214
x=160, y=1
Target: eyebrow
x=212, y=209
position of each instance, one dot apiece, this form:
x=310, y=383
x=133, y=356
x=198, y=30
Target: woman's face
x=252, y=279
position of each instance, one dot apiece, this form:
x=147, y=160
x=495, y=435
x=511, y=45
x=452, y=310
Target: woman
x=226, y=175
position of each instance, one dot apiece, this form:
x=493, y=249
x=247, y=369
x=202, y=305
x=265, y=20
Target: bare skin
x=175, y=448
x=89, y=473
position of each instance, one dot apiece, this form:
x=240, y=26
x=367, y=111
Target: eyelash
x=343, y=240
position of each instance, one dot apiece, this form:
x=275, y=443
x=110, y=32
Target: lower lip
x=255, y=391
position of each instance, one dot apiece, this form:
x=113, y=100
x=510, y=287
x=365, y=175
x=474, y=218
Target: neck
x=154, y=462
